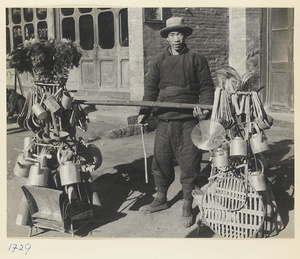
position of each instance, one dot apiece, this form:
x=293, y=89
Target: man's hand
x=199, y=114
x=141, y=119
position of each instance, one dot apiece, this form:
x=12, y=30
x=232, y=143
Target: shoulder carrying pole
x=146, y=104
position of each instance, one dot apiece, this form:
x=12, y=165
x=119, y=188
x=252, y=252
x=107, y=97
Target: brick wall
x=210, y=35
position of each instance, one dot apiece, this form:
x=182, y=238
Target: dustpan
x=208, y=135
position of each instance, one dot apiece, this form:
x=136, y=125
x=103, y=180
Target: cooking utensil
x=69, y=173
x=20, y=170
x=54, y=123
x=238, y=147
x=258, y=141
x=257, y=181
x=38, y=176
x=208, y=135
x=66, y=100
x=52, y=104
x=61, y=136
x=22, y=115
x=220, y=157
x=39, y=110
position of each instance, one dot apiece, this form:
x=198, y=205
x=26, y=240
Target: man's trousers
x=173, y=140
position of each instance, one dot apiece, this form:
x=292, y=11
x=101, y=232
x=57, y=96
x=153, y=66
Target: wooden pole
x=146, y=104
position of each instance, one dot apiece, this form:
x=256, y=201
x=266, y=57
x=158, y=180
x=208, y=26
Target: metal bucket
x=238, y=147
x=220, y=157
x=21, y=170
x=52, y=104
x=39, y=111
x=69, y=173
x=22, y=161
x=38, y=176
x=257, y=181
x=258, y=143
x=66, y=100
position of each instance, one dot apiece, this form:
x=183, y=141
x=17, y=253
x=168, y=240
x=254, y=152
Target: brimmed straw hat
x=174, y=24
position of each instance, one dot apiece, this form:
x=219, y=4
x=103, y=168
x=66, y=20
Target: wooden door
x=102, y=35
x=25, y=24
x=280, y=94
x=112, y=49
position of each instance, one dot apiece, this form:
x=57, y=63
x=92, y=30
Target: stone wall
x=253, y=36
x=245, y=38
x=237, y=39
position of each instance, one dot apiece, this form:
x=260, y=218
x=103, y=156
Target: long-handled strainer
x=208, y=135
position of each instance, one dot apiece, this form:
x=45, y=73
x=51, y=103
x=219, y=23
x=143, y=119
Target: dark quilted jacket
x=183, y=78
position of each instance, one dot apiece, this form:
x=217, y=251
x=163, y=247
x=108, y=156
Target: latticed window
x=41, y=13
x=86, y=32
x=68, y=28
x=106, y=30
x=124, y=37
x=28, y=14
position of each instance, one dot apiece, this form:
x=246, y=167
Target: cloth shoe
x=187, y=219
x=157, y=204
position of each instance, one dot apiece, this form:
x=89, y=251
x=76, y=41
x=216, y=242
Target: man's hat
x=174, y=24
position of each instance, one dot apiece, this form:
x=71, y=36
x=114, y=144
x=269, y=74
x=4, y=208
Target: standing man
x=178, y=75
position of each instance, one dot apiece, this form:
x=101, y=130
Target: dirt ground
x=121, y=186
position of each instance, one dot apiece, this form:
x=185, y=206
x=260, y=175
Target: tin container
x=69, y=173
x=21, y=170
x=258, y=143
x=257, y=181
x=38, y=176
x=39, y=111
x=238, y=147
x=66, y=100
x=220, y=157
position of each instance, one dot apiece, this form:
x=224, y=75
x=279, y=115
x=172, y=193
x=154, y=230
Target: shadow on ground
x=17, y=129
x=114, y=189
x=280, y=172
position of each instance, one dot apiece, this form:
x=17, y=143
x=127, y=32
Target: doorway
x=102, y=35
x=279, y=57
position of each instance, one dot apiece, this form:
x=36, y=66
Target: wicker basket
x=231, y=210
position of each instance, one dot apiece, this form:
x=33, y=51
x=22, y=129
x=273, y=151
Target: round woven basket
x=233, y=211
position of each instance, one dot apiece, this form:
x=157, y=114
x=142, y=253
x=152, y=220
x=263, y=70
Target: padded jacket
x=183, y=78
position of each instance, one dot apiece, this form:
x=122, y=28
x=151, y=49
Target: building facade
x=118, y=45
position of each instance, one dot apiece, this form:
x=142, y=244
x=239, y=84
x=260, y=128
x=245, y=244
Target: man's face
x=176, y=40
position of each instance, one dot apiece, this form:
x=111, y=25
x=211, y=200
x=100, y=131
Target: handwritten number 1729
x=14, y=247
